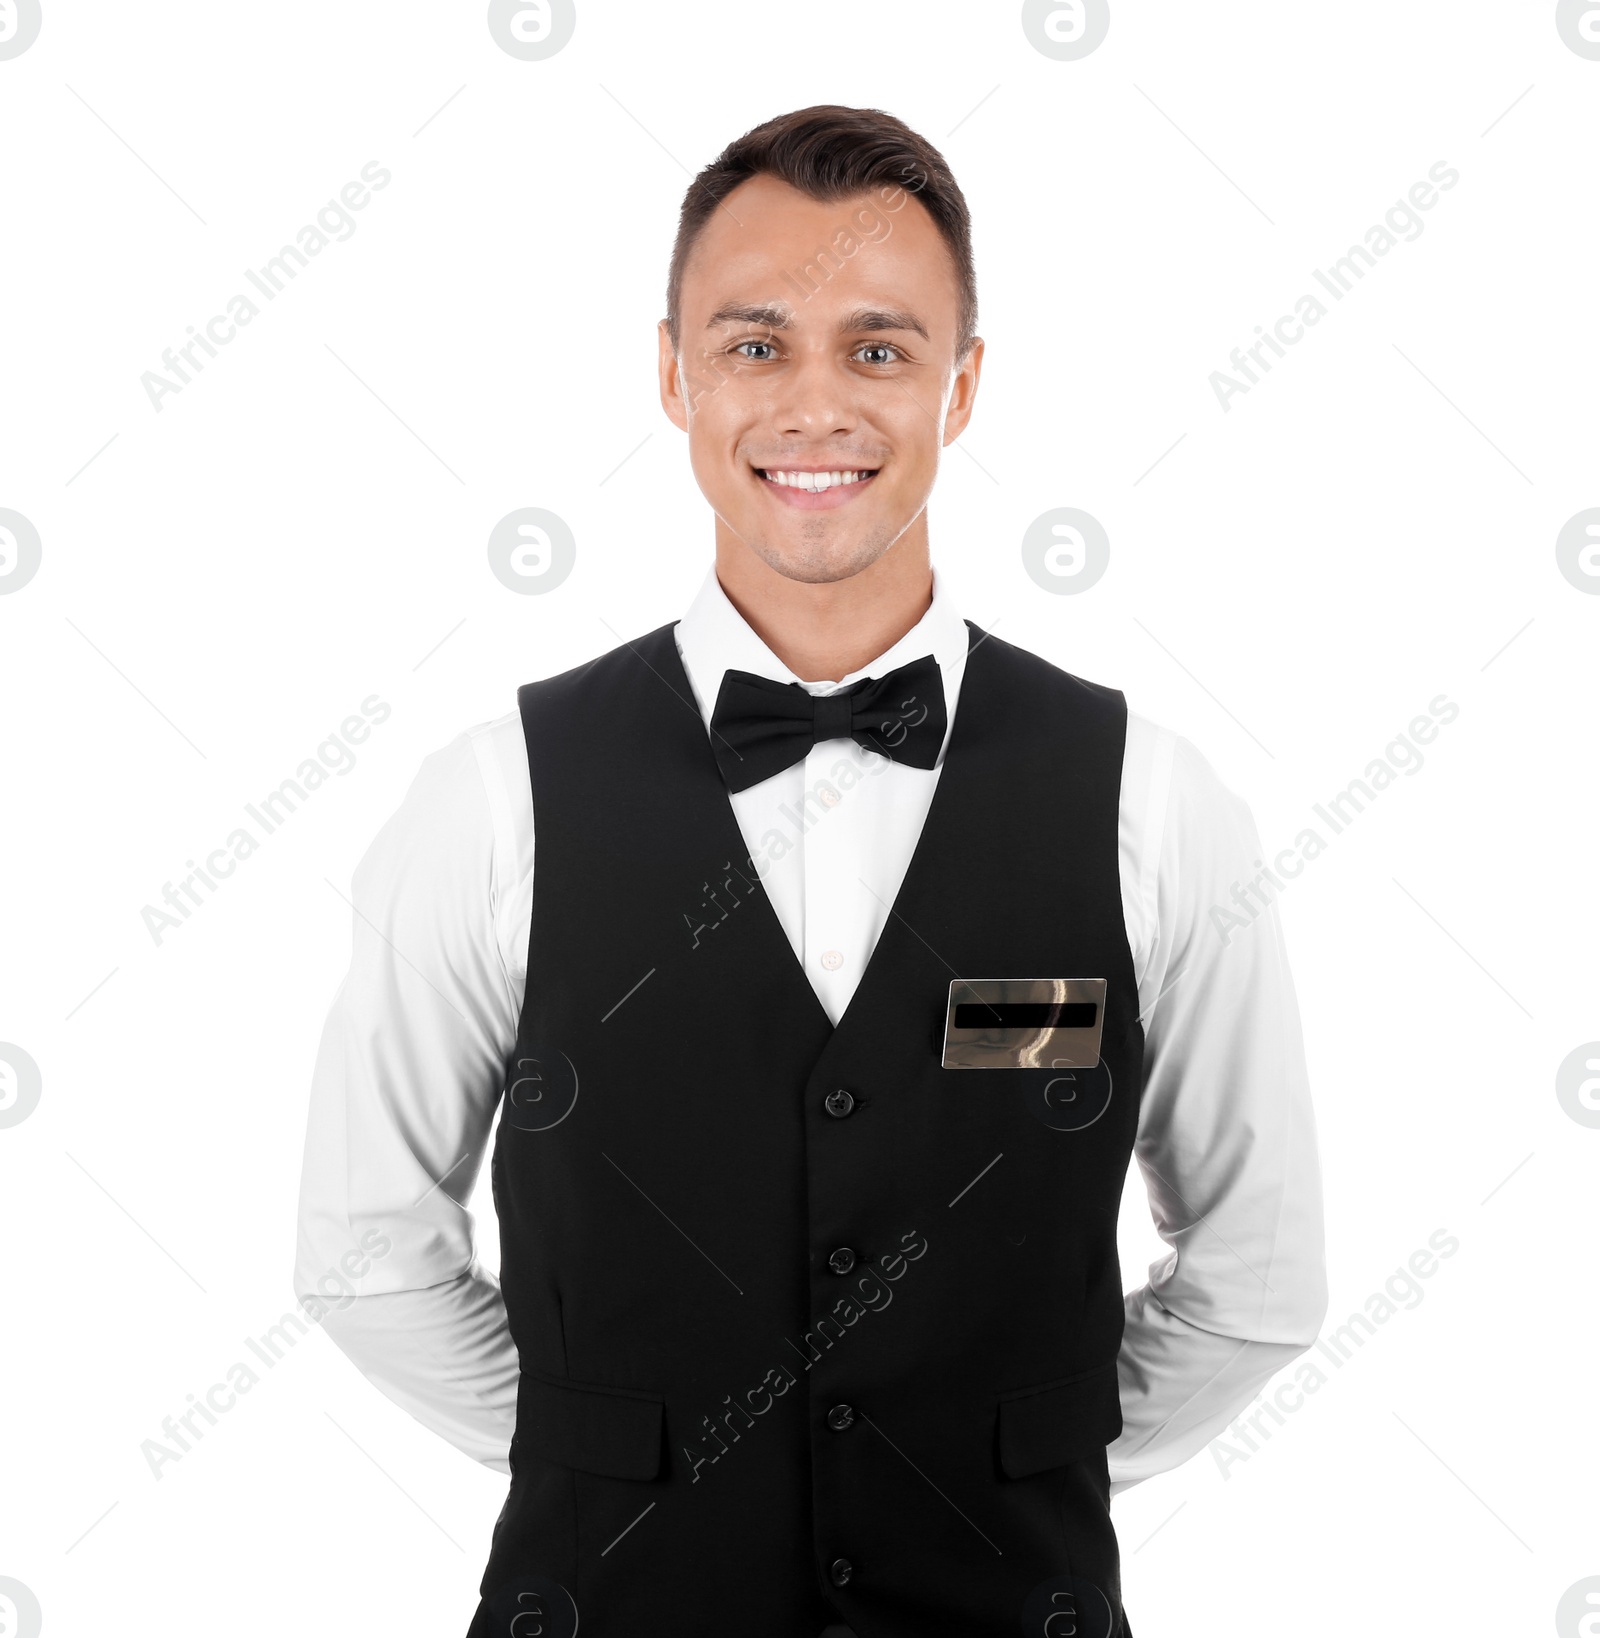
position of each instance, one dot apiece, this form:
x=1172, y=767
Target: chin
x=822, y=561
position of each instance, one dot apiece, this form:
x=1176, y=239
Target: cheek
x=912, y=425
x=916, y=449
x=710, y=466
x=719, y=470
x=709, y=443
x=721, y=417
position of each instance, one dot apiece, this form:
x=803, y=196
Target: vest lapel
x=930, y=845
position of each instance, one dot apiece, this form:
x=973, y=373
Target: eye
x=878, y=347
x=740, y=347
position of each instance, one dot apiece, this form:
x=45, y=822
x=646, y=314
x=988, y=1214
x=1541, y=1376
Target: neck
x=823, y=630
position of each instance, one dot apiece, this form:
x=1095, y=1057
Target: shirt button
x=832, y=960
x=830, y=797
x=840, y=1571
x=840, y=1417
x=839, y=1103
x=842, y=1261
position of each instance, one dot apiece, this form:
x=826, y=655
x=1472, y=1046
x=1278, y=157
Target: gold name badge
x=1024, y=1023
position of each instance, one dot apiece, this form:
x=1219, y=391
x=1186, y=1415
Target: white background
x=305, y=525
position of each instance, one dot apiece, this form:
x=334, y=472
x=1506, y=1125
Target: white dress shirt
x=409, y=1073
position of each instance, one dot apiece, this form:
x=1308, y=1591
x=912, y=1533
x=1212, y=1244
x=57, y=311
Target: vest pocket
x=1061, y=1421
x=616, y=1432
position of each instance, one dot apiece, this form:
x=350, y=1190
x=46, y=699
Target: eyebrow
x=776, y=316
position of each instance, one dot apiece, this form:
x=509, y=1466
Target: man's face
x=818, y=339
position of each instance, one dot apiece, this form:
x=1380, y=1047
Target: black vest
x=811, y=1328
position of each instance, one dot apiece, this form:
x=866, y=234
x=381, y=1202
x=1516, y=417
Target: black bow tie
x=760, y=727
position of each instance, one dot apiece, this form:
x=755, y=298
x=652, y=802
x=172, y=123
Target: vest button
x=840, y=1417
x=840, y=1571
x=842, y=1261
x=838, y=1102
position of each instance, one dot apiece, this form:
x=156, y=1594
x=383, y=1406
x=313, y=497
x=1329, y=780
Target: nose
x=816, y=399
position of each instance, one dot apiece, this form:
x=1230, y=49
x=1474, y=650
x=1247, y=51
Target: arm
x=405, y=1087
x=1226, y=1140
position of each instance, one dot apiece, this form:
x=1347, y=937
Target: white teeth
x=814, y=481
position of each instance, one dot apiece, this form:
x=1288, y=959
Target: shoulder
x=1168, y=783
x=499, y=752
x=1030, y=669
x=1175, y=788
x=1185, y=833
x=454, y=817
x=596, y=682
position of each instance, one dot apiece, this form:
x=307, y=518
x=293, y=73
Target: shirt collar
x=714, y=637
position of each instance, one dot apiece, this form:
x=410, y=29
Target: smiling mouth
x=815, y=483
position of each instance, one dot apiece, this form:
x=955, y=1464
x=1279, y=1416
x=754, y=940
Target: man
x=857, y=953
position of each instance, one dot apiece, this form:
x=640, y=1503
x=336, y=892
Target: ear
x=963, y=392
x=672, y=399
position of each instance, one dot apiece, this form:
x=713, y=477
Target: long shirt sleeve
x=1226, y=1139
x=406, y=1083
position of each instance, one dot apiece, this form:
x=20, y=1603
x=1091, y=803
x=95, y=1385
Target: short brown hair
x=830, y=152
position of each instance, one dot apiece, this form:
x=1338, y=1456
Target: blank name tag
x=1024, y=1023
